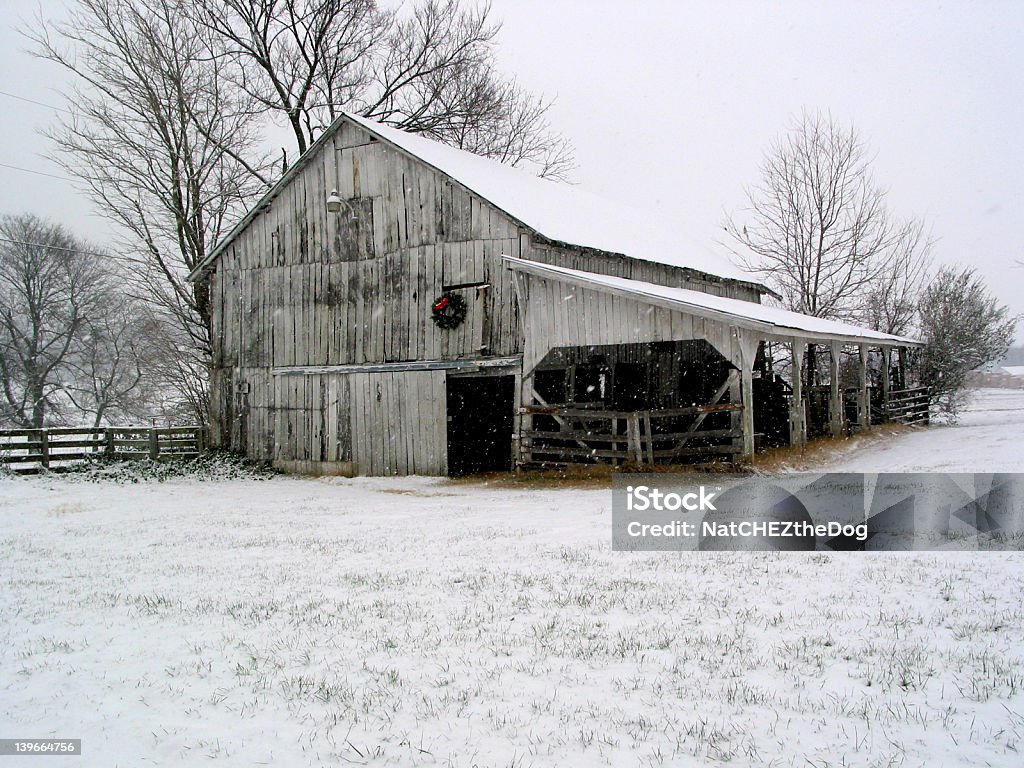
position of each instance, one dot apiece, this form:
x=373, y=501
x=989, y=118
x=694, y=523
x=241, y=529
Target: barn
x=397, y=306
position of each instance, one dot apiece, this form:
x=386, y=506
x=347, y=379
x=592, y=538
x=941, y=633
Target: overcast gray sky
x=673, y=103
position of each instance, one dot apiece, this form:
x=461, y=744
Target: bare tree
x=106, y=373
x=299, y=58
x=963, y=327
x=165, y=150
x=429, y=70
x=50, y=284
x=890, y=301
x=816, y=227
x=172, y=360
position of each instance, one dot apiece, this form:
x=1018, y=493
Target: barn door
x=480, y=424
x=397, y=423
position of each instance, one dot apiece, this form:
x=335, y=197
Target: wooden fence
x=29, y=450
x=909, y=406
x=645, y=437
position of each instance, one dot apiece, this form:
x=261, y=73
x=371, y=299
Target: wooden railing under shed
x=667, y=435
x=909, y=406
x=29, y=450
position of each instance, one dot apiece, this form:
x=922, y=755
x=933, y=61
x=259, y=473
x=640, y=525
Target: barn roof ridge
x=559, y=213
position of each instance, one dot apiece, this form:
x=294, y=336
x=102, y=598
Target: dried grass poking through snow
x=306, y=622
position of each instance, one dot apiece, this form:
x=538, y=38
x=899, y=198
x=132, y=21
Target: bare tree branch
x=816, y=227
x=165, y=149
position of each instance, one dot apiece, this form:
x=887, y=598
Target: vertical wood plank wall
x=569, y=316
x=395, y=418
x=304, y=287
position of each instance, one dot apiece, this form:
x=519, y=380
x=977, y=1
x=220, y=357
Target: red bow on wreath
x=449, y=310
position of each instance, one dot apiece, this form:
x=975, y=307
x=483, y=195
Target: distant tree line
x=74, y=347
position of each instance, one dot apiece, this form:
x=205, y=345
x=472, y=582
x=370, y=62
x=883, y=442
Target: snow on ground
x=989, y=437
x=414, y=621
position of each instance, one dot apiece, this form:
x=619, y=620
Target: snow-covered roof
x=560, y=212
x=1014, y=370
x=768, y=319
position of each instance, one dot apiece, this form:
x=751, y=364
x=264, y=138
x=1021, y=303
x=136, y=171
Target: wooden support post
x=108, y=442
x=735, y=417
x=747, y=390
x=154, y=444
x=864, y=405
x=201, y=440
x=901, y=382
x=797, y=409
x=517, y=422
x=835, y=400
x=525, y=454
x=886, y=381
x=44, y=448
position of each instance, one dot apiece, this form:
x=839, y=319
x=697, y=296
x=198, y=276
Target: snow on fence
x=29, y=450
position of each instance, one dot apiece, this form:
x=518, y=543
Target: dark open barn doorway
x=480, y=423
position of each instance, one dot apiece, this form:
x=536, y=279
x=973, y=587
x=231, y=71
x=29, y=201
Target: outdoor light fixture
x=333, y=202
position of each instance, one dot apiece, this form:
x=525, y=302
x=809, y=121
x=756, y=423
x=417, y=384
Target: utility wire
x=32, y=101
x=37, y=173
x=38, y=104
x=54, y=247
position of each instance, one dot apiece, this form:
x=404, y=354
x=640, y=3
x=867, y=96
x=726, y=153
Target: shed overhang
x=746, y=318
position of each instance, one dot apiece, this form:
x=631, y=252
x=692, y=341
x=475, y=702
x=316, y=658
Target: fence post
x=633, y=438
x=108, y=442
x=44, y=448
x=201, y=440
x=615, y=444
x=154, y=444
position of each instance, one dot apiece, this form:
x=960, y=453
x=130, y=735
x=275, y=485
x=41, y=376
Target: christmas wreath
x=449, y=310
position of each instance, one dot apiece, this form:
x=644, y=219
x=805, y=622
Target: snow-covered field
x=989, y=437
x=295, y=622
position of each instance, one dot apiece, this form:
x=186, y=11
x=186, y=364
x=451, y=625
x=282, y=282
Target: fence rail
x=29, y=450
x=909, y=406
x=645, y=437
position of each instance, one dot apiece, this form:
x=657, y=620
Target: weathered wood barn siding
x=299, y=286
x=575, y=316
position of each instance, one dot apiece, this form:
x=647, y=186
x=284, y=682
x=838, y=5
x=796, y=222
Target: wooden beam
x=886, y=378
x=797, y=408
x=736, y=398
x=864, y=404
x=835, y=400
x=517, y=422
x=747, y=390
x=468, y=364
x=695, y=425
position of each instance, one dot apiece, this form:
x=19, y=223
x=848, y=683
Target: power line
x=37, y=173
x=32, y=101
x=54, y=247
